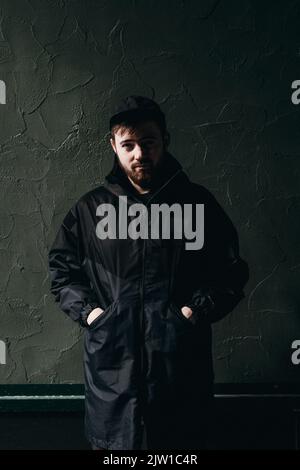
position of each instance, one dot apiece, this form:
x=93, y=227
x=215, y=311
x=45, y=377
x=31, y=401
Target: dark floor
x=237, y=424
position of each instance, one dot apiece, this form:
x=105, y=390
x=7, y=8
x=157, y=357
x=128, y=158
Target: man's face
x=140, y=152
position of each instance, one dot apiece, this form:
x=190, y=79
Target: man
x=123, y=265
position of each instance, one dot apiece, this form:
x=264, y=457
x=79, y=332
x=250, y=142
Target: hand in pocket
x=186, y=311
x=94, y=314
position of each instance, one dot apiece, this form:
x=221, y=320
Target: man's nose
x=139, y=153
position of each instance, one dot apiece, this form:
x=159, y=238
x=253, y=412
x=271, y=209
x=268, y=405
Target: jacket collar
x=170, y=172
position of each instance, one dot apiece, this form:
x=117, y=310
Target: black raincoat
x=144, y=361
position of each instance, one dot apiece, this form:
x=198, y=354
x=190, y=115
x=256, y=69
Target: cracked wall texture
x=222, y=72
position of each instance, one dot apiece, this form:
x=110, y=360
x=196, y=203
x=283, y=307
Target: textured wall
x=222, y=72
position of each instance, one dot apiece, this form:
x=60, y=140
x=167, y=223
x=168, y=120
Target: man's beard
x=144, y=177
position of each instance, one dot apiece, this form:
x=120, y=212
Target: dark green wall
x=222, y=72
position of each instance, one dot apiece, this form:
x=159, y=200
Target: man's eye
x=149, y=143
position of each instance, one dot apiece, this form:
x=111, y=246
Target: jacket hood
x=170, y=170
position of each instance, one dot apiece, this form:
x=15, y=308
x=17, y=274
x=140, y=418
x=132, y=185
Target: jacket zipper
x=142, y=331
x=142, y=281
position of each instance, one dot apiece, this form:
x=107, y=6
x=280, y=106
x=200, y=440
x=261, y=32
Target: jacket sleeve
x=69, y=283
x=219, y=292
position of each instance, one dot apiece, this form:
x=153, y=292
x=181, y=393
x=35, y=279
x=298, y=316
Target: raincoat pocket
x=103, y=316
x=180, y=315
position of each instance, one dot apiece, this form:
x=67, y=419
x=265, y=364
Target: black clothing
x=142, y=357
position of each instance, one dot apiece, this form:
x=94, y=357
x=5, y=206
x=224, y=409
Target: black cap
x=137, y=108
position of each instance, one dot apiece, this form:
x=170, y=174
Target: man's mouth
x=142, y=166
